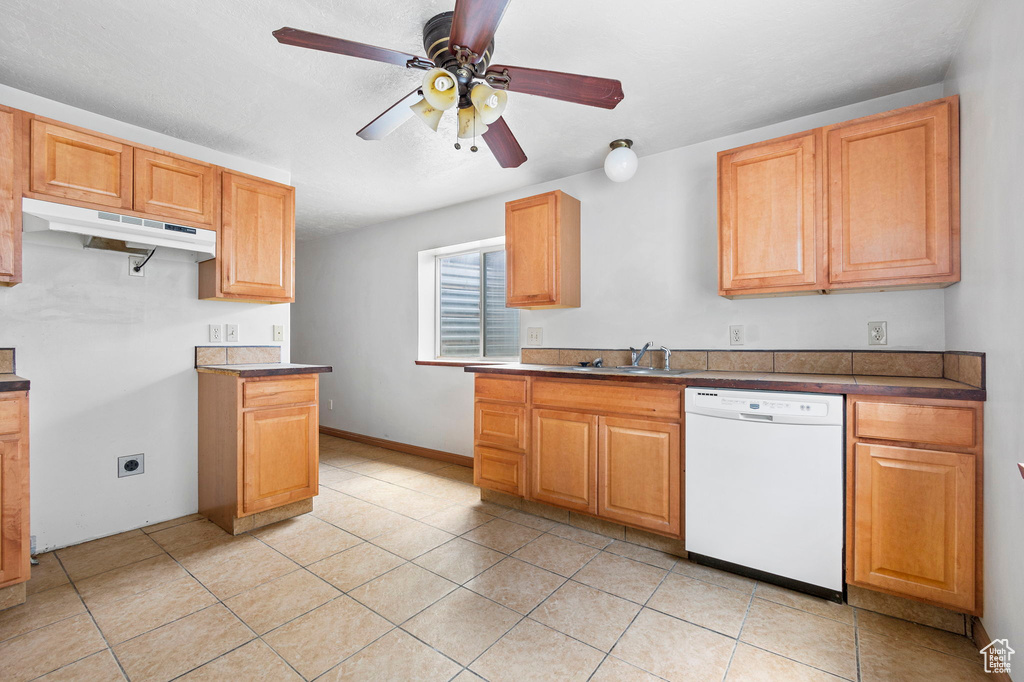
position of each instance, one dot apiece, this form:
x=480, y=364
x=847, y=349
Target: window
x=462, y=313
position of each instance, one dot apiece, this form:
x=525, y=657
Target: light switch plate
x=278, y=332
x=216, y=335
x=534, y=336
x=231, y=332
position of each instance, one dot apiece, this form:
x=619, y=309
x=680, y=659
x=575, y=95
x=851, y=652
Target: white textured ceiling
x=209, y=71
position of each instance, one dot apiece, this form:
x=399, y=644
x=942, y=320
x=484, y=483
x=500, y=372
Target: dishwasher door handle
x=756, y=417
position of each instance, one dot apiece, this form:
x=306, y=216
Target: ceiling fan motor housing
x=435, y=42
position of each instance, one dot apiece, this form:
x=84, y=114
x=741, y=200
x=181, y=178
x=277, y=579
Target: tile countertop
x=265, y=369
x=12, y=382
x=847, y=384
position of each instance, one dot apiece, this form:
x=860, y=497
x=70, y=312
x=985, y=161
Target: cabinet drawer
x=10, y=416
x=511, y=390
x=591, y=396
x=498, y=470
x=279, y=392
x=935, y=424
x=501, y=425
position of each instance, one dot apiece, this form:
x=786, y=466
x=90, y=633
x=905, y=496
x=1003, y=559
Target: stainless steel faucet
x=638, y=355
x=668, y=356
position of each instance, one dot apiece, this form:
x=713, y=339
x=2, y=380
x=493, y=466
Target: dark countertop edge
x=15, y=384
x=754, y=385
x=267, y=372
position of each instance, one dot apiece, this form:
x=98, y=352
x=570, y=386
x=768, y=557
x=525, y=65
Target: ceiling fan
x=459, y=73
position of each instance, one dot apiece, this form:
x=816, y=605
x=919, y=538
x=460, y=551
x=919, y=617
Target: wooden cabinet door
x=256, y=249
x=894, y=197
x=10, y=203
x=279, y=457
x=174, y=188
x=563, y=459
x=769, y=224
x=80, y=166
x=639, y=473
x=914, y=523
x=531, y=251
x=498, y=470
x=14, y=537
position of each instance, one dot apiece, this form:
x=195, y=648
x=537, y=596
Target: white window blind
x=472, y=320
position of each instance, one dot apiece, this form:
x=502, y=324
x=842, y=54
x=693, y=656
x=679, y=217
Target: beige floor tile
x=673, y=649
x=750, y=664
x=180, y=646
x=502, y=535
x=340, y=459
x=642, y=554
x=715, y=576
x=586, y=614
x=247, y=569
x=456, y=473
x=467, y=676
x=366, y=468
x=353, y=567
x=462, y=625
x=362, y=518
x=457, y=520
x=805, y=602
x=145, y=611
x=395, y=656
x=530, y=520
x=305, y=539
x=331, y=476
x=921, y=635
x=406, y=502
x=395, y=474
x=39, y=610
x=99, y=667
x=532, y=651
x=93, y=558
x=254, y=662
x=584, y=537
x=621, y=576
x=172, y=523
x=818, y=642
x=556, y=554
x=207, y=554
x=187, y=534
x=49, y=573
x=319, y=640
x=46, y=649
x=402, y=593
x=128, y=580
x=271, y=604
x=413, y=461
x=516, y=584
x=459, y=560
x=614, y=670
x=710, y=606
x=883, y=659
x=412, y=540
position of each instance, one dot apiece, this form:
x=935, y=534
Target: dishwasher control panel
x=797, y=405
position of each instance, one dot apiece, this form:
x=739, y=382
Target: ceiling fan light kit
x=459, y=45
x=621, y=163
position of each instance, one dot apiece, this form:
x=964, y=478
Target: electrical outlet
x=231, y=333
x=877, y=335
x=131, y=465
x=278, y=332
x=534, y=336
x=215, y=334
x=135, y=262
x=735, y=334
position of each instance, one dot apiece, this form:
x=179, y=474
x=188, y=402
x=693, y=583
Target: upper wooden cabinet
x=73, y=164
x=256, y=245
x=175, y=188
x=770, y=217
x=10, y=201
x=542, y=251
x=871, y=204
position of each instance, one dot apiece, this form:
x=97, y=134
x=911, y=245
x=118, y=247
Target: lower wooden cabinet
x=279, y=457
x=14, y=492
x=499, y=470
x=563, y=459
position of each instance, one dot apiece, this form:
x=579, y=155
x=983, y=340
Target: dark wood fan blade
x=315, y=41
x=503, y=145
x=475, y=22
x=568, y=87
x=396, y=115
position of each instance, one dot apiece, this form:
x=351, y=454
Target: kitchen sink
x=629, y=369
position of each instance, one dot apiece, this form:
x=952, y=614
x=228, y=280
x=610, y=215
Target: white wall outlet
x=131, y=465
x=735, y=334
x=216, y=336
x=231, y=333
x=278, y=332
x=534, y=336
x=135, y=262
x=877, y=334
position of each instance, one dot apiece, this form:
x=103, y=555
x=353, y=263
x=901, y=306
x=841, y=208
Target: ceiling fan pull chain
x=474, y=147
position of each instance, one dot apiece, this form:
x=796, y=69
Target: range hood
x=114, y=232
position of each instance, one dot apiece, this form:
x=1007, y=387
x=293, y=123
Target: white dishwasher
x=764, y=486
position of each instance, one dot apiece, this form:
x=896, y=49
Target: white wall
x=649, y=254
x=110, y=358
x=984, y=312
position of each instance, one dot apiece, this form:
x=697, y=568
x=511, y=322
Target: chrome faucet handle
x=668, y=356
x=598, y=362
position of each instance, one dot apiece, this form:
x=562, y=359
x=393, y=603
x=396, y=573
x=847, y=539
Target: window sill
x=458, y=363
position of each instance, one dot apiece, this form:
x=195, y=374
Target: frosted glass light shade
x=440, y=89
x=427, y=114
x=470, y=123
x=621, y=163
x=490, y=103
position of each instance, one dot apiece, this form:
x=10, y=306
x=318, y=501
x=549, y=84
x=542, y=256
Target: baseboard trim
x=408, y=449
x=981, y=639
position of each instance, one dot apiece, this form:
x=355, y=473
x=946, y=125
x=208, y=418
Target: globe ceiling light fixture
x=620, y=164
